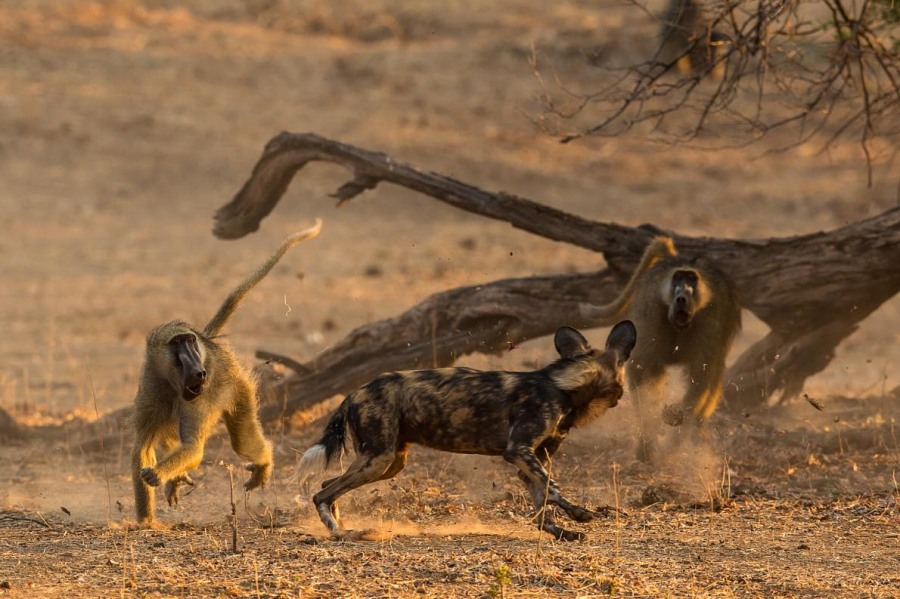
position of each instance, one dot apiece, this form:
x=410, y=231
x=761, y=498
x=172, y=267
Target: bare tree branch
x=838, y=75
x=797, y=285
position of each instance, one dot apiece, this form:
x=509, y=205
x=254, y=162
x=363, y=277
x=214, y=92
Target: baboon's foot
x=150, y=476
x=259, y=475
x=150, y=525
x=173, y=487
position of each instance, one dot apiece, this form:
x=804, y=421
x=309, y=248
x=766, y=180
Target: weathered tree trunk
x=811, y=290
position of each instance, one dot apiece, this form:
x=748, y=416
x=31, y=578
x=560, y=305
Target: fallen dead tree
x=811, y=290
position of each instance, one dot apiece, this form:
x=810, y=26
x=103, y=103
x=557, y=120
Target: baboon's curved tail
x=607, y=314
x=317, y=458
x=234, y=298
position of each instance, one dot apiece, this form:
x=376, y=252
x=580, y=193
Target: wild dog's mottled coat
x=522, y=416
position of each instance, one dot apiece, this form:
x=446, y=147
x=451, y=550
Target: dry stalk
x=232, y=519
x=615, y=478
x=543, y=514
x=102, y=448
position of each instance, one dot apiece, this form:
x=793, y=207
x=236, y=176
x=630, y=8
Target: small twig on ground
x=543, y=515
x=615, y=478
x=102, y=448
x=23, y=518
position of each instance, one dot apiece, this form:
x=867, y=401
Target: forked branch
x=797, y=285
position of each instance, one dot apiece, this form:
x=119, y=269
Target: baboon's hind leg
x=646, y=384
x=144, y=494
x=246, y=434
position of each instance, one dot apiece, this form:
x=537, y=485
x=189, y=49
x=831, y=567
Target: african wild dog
x=522, y=416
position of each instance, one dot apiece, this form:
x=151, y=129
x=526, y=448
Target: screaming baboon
x=189, y=380
x=687, y=313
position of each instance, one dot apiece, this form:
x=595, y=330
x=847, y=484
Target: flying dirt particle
x=814, y=402
x=373, y=271
x=661, y=494
x=66, y=511
x=468, y=243
x=673, y=415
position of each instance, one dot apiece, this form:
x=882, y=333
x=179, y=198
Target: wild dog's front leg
x=543, y=517
x=544, y=490
x=247, y=438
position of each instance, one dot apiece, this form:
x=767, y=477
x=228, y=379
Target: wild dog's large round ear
x=622, y=338
x=570, y=343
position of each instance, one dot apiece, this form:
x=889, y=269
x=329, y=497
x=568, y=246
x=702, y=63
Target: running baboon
x=522, y=416
x=688, y=38
x=190, y=379
x=687, y=313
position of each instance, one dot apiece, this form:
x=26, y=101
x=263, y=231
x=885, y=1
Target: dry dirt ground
x=125, y=124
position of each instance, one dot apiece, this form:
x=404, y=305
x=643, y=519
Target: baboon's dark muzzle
x=680, y=311
x=193, y=374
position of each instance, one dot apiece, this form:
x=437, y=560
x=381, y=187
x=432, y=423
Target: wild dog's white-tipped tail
x=312, y=464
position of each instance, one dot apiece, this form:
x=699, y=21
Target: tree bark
x=812, y=290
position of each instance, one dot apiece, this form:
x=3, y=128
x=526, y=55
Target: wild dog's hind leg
x=366, y=468
x=247, y=438
x=393, y=470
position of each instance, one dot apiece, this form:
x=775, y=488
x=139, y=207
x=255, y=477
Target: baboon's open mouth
x=681, y=319
x=191, y=393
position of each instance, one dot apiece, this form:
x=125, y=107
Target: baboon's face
x=684, y=297
x=189, y=359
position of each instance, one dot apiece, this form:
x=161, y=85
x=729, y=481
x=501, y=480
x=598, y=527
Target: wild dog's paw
x=569, y=535
x=150, y=476
x=368, y=534
x=607, y=511
x=259, y=475
x=173, y=486
x=579, y=514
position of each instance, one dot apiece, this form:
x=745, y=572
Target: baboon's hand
x=150, y=476
x=259, y=475
x=173, y=486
